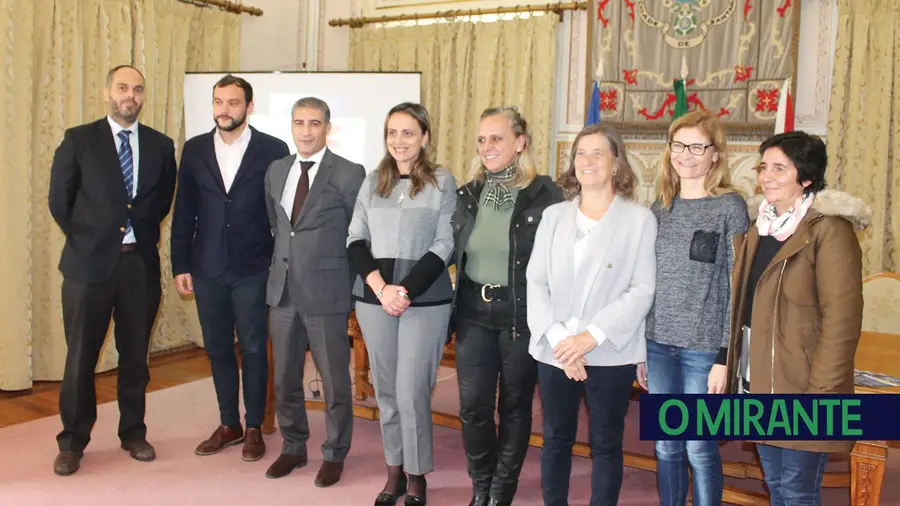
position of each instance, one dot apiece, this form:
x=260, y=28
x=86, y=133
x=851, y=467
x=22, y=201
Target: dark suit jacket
x=214, y=231
x=89, y=202
x=311, y=257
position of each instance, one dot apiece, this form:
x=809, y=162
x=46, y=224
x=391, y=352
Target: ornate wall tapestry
x=737, y=54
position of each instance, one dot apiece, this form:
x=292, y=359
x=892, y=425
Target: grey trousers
x=405, y=353
x=327, y=338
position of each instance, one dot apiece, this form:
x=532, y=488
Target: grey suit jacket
x=311, y=257
x=613, y=287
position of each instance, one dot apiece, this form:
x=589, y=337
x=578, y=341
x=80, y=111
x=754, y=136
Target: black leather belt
x=128, y=248
x=487, y=292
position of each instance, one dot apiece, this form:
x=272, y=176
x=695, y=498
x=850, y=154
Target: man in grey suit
x=310, y=198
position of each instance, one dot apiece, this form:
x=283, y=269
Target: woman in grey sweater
x=688, y=328
x=400, y=241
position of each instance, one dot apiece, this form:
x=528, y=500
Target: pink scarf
x=781, y=227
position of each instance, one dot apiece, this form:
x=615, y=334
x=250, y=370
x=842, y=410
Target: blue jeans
x=674, y=370
x=794, y=477
x=607, y=391
x=225, y=304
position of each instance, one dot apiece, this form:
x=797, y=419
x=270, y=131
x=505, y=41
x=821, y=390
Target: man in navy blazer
x=221, y=250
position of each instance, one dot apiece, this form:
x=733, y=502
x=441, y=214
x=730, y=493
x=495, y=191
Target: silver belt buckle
x=484, y=288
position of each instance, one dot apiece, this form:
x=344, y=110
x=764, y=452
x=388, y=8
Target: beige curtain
x=467, y=67
x=864, y=121
x=54, y=61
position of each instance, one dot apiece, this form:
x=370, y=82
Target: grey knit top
x=694, y=260
x=408, y=239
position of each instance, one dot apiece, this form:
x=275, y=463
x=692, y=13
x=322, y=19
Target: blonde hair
x=718, y=179
x=525, y=168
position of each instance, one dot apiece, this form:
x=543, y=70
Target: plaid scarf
x=496, y=193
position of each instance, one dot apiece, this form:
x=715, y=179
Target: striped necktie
x=126, y=161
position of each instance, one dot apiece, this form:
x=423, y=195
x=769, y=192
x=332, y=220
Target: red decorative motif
x=783, y=9
x=608, y=100
x=693, y=102
x=747, y=8
x=723, y=112
x=630, y=76
x=767, y=100
x=742, y=73
x=630, y=5
x=602, y=7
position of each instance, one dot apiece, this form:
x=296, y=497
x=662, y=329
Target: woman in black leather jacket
x=504, y=198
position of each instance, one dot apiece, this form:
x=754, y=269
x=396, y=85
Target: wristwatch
x=380, y=293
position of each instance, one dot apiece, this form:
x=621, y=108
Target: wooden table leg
x=268, y=426
x=867, y=462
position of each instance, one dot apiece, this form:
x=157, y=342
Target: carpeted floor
x=180, y=417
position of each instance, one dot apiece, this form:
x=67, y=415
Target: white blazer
x=612, y=290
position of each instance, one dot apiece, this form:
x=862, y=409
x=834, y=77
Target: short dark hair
x=241, y=83
x=112, y=72
x=313, y=103
x=807, y=153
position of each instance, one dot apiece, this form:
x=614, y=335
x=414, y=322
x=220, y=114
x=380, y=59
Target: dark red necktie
x=302, y=191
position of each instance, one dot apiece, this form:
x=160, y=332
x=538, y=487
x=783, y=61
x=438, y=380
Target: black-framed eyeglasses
x=695, y=149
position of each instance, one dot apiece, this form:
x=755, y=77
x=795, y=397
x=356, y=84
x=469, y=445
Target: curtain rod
x=558, y=8
x=225, y=5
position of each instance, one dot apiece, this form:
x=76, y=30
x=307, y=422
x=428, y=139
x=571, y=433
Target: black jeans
x=484, y=351
x=225, y=304
x=607, y=390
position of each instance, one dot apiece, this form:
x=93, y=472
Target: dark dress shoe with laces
x=284, y=464
x=329, y=473
x=386, y=499
x=67, y=462
x=140, y=450
x=254, y=446
x=221, y=438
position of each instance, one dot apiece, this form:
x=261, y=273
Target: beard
x=129, y=115
x=232, y=124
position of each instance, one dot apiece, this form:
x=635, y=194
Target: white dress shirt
x=135, y=156
x=558, y=332
x=229, y=156
x=290, y=186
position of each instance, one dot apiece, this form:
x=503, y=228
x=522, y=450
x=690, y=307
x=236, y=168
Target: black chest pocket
x=704, y=246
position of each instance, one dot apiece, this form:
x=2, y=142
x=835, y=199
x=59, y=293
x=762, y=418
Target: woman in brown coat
x=798, y=285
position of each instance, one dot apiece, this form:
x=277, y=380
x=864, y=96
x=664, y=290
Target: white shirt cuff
x=597, y=334
x=556, y=334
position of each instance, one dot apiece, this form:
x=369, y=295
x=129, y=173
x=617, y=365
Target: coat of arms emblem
x=683, y=30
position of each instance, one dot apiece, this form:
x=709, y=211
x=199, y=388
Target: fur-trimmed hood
x=829, y=203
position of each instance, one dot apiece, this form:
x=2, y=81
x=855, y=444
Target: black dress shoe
x=67, y=462
x=386, y=499
x=479, y=500
x=416, y=500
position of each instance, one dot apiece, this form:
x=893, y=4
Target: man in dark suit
x=221, y=250
x=111, y=185
x=310, y=200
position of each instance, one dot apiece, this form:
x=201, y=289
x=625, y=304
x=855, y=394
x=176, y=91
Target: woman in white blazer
x=591, y=282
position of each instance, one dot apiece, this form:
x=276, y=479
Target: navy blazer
x=214, y=231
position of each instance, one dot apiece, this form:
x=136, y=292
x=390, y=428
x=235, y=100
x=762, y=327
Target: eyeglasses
x=695, y=149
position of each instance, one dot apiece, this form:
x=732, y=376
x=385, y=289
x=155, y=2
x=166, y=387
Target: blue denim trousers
x=607, y=391
x=794, y=477
x=674, y=370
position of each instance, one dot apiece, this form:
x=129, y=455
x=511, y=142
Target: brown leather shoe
x=221, y=438
x=284, y=464
x=67, y=462
x=140, y=450
x=329, y=473
x=254, y=446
